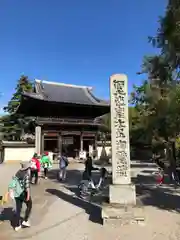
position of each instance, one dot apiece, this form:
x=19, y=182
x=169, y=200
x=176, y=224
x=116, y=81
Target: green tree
x=14, y=124
x=23, y=85
x=168, y=34
x=168, y=41
x=156, y=101
x=153, y=96
x=106, y=120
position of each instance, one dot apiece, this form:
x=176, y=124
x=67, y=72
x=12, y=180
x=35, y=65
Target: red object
x=160, y=179
x=46, y=153
x=37, y=162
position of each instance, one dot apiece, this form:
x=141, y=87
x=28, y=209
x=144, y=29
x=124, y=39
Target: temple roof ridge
x=62, y=99
x=65, y=94
x=63, y=84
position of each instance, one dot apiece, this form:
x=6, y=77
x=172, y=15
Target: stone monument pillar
x=38, y=140
x=121, y=190
x=122, y=193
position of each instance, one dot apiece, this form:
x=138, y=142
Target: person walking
x=35, y=168
x=19, y=190
x=160, y=178
x=46, y=163
x=103, y=175
x=63, y=163
x=88, y=170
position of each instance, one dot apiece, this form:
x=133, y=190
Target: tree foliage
x=14, y=124
x=106, y=120
x=23, y=85
x=157, y=99
x=168, y=34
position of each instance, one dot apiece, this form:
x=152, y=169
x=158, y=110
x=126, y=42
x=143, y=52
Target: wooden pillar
x=38, y=139
x=42, y=143
x=95, y=141
x=81, y=142
x=60, y=143
x=95, y=146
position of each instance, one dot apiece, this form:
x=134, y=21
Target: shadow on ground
x=7, y=214
x=91, y=209
x=164, y=197
x=143, y=165
x=73, y=179
x=134, y=163
x=148, y=171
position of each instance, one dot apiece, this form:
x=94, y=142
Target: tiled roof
x=65, y=93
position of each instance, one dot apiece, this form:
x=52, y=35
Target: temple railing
x=70, y=121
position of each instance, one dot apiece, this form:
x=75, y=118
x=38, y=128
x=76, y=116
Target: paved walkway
x=56, y=212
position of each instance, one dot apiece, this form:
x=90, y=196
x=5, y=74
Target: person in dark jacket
x=89, y=166
x=87, y=175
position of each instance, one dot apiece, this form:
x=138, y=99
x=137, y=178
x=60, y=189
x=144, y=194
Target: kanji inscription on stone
x=120, y=129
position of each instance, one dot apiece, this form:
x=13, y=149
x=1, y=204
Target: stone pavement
x=56, y=212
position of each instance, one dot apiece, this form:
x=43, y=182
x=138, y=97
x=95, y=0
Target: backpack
x=16, y=187
x=33, y=165
x=66, y=161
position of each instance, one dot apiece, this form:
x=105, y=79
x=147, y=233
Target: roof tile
x=59, y=92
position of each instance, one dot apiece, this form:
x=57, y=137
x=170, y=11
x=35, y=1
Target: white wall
x=13, y=154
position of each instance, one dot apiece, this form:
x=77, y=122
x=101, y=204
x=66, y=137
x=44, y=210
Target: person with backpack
x=35, y=168
x=87, y=174
x=63, y=163
x=46, y=163
x=19, y=190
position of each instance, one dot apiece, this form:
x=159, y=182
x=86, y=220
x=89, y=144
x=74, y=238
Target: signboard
x=67, y=140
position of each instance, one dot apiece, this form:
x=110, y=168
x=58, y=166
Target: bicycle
x=87, y=188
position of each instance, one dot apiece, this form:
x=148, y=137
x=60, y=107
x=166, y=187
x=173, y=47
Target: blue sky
x=75, y=41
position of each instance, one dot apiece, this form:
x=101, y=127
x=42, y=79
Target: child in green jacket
x=45, y=163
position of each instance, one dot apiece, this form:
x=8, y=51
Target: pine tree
x=14, y=124
x=23, y=85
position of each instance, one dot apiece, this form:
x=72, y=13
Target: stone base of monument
x=122, y=207
x=122, y=215
x=122, y=194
